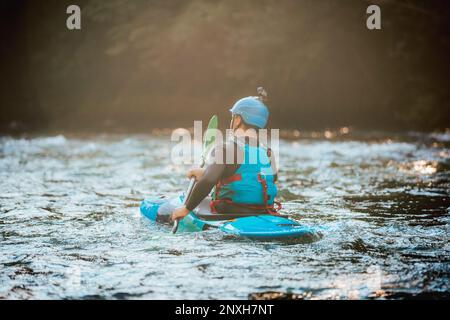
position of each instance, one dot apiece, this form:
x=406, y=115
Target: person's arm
x=203, y=187
x=273, y=163
x=211, y=175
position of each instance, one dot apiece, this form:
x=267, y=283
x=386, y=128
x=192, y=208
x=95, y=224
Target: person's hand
x=197, y=173
x=179, y=213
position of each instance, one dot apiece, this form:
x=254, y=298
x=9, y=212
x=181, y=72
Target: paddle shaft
x=209, y=139
x=188, y=193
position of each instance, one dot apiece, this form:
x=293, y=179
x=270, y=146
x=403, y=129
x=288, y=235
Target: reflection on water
x=70, y=225
x=421, y=167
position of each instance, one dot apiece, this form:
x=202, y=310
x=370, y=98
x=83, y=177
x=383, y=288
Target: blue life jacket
x=253, y=183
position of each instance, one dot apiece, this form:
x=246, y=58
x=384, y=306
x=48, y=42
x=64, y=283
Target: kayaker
x=247, y=184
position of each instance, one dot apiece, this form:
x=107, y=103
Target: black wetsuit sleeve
x=213, y=173
x=274, y=165
x=203, y=187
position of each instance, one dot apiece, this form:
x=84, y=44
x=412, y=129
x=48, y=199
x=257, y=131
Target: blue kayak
x=261, y=227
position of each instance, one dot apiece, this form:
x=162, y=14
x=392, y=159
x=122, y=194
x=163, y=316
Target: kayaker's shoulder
x=222, y=151
x=225, y=145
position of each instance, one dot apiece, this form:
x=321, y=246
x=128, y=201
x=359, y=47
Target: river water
x=70, y=225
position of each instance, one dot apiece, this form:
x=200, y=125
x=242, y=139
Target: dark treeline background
x=143, y=64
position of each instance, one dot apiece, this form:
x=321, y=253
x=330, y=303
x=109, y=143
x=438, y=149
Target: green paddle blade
x=209, y=140
x=210, y=136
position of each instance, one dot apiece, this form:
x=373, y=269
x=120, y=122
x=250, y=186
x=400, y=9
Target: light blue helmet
x=252, y=110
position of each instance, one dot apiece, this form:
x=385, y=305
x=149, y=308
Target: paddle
x=208, y=142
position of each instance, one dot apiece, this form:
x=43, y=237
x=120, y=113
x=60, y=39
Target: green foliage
x=139, y=64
